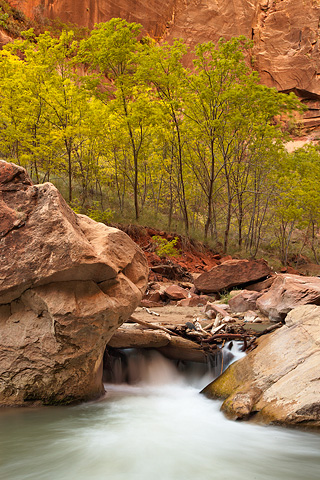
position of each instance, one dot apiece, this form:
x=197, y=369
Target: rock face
x=274, y=383
x=88, y=12
x=4, y=39
x=285, y=33
x=231, y=274
x=287, y=292
x=286, y=50
x=66, y=284
x=244, y=301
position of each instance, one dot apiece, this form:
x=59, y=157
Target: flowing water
x=160, y=428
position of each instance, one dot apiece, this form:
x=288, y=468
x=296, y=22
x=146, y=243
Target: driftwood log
x=153, y=326
x=181, y=342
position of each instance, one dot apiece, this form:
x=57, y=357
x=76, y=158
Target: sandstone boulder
x=244, y=301
x=193, y=301
x=287, y=292
x=66, y=284
x=231, y=274
x=274, y=383
x=174, y=292
x=263, y=285
x=153, y=296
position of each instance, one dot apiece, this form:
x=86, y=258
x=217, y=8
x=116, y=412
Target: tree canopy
x=118, y=118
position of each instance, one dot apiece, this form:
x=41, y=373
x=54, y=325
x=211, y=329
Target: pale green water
x=152, y=432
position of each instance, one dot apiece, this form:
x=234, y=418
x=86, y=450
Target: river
x=160, y=428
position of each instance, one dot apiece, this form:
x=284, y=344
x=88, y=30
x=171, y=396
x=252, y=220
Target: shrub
x=94, y=212
x=3, y=19
x=166, y=248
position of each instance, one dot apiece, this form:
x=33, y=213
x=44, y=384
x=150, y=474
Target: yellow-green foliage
x=198, y=147
x=166, y=248
x=95, y=212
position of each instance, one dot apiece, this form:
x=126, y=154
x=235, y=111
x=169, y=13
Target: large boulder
x=66, y=284
x=263, y=285
x=174, y=292
x=244, y=301
x=231, y=274
x=287, y=292
x=278, y=382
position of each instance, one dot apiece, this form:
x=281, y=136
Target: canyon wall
x=285, y=32
x=88, y=12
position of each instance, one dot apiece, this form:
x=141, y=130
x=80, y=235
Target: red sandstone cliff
x=285, y=32
x=89, y=12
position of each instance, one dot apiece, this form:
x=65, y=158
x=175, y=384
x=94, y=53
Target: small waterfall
x=232, y=351
x=149, y=367
x=136, y=367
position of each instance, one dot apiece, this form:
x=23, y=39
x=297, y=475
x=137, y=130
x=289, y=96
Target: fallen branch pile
x=194, y=340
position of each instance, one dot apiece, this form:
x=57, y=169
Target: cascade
x=149, y=367
x=157, y=427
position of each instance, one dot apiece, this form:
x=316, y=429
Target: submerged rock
x=279, y=381
x=66, y=284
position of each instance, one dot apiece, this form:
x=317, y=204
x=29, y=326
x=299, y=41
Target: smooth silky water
x=160, y=428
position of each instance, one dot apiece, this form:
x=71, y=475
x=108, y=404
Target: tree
x=120, y=116
x=55, y=107
x=230, y=115
x=113, y=49
x=161, y=68
x=297, y=202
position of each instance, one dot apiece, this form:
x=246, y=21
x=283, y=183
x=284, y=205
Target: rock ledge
x=279, y=381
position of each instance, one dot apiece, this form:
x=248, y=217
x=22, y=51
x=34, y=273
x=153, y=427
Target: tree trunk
x=210, y=194
x=68, y=147
x=181, y=178
x=135, y=187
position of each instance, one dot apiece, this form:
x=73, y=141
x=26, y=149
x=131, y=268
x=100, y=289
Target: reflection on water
x=150, y=432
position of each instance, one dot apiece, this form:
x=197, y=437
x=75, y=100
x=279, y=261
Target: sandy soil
x=171, y=315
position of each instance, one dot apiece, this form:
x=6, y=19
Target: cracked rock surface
x=66, y=284
x=279, y=381
x=285, y=33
